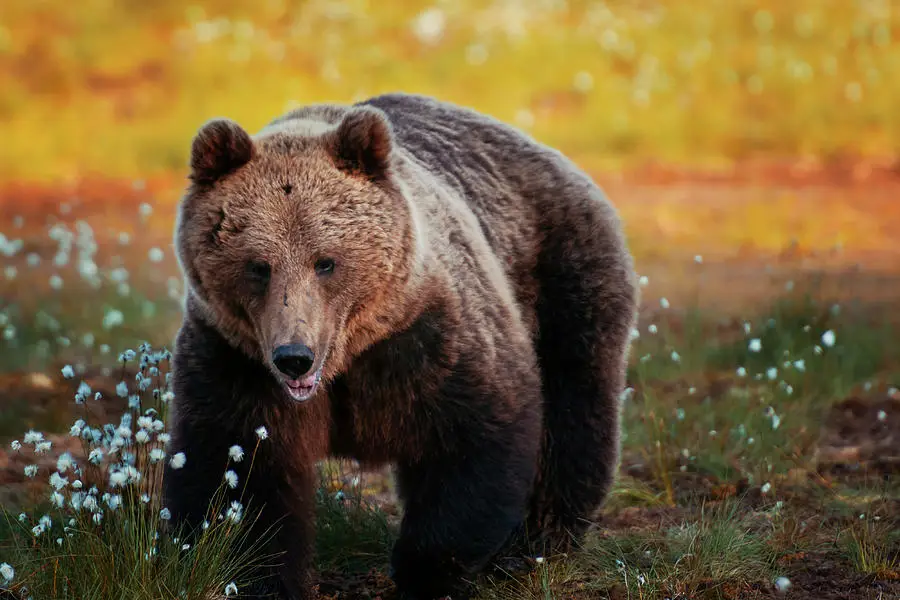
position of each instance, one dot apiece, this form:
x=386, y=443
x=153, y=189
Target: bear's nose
x=294, y=360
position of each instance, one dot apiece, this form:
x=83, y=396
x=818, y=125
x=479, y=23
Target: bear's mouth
x=302, y=389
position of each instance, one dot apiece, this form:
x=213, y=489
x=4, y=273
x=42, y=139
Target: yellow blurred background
x=116, y=88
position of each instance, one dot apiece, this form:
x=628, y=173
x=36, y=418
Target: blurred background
x=750, y=146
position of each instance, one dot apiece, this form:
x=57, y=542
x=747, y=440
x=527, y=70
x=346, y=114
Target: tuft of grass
x=97, y=530
x=352, y=534
x=870, y=536
x=719, y=551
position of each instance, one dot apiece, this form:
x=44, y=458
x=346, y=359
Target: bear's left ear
x=362, y=143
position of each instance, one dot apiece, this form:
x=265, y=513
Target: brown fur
x=474, y=331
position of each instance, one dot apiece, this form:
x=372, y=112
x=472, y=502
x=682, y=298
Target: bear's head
x=293, y=242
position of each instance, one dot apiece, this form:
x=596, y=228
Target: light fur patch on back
x=297, y=127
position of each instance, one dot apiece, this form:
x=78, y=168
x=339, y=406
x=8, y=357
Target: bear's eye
x=259, y=271
x=324, y=266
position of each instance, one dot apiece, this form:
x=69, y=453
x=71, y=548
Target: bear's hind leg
x=586, y=312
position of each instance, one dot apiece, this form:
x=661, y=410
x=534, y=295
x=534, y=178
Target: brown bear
x=404, y=281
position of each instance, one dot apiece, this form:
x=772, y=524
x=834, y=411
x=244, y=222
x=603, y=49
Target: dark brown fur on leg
x=585, y=330
x=461, y=508
x=213, y=411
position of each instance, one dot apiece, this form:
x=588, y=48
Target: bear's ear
x=362, y=143
x=220, y=147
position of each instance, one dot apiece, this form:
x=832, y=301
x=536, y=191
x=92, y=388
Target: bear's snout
x=294, y=360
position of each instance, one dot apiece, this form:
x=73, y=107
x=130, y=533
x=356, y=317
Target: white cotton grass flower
x=177, y=461
x=58, y=481
x=755, y=345
x=95, y=456
x=231, y=478
x=230, y=590
x=76, y=429
x=83, y=393
x=882, y=415
x=664, y=303
x=64, y=461
x=156, y=455
x=90, y=503
x=33, y=437
x=68, y=372
x=142, y=437
x=114, y=501
x=16, y=445
x=766, y=488
x=782, y=585
x=261, y=432
x=30, y=470
x=42, y=447
x=77, y=500
x=117, y=478
x=829, y=338
x=122, y=389
x=236, y=453
x=8, y=573
x=235, y=511
x=165, y=514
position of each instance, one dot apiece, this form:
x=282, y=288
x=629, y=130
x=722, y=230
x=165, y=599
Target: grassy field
x=750, y=147
x=739, y=468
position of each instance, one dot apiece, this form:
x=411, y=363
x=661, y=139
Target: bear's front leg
x=462, y=506
x=221, y=401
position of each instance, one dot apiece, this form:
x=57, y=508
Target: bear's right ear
x=220, y=147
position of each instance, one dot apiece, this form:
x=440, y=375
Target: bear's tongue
x=304, y=382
